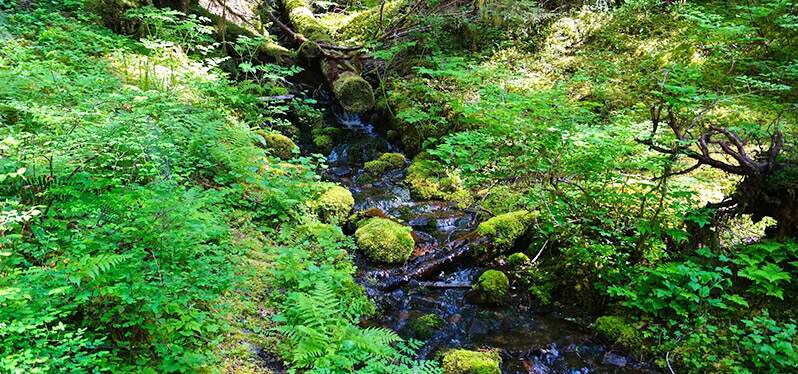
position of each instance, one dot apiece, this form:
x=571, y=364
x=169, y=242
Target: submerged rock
x=492, y=287
x=384, y=240
x=334, y=205
x=462, y=361
x=423, y=327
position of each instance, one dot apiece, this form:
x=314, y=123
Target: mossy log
x=338, y=64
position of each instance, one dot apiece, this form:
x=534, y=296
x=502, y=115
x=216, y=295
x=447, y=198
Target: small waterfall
x=352, y=121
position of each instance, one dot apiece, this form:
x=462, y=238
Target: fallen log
x=339, y=65
x=422, y=266
x=443, y=284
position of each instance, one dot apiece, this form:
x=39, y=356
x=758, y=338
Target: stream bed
x=529, y=341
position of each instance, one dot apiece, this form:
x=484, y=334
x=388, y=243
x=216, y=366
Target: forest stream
x=438, y=275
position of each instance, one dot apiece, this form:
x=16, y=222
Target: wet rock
x=340, y=171
x=424, y=326
x=614, y=359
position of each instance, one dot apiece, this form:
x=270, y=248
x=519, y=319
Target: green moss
x=502, y=199
x=386, y=161
x=428, y=180
x=492, y=287
x=505, y=229
x=323, y=142
x=517, y=259
x=309, y=50
x=334, y=204
x=384, y=240
x=279, y=145
x=304, y=21
x=462, y=361
x=367, y=22
x=353, y=92
x=424, y=326
x=619, y=331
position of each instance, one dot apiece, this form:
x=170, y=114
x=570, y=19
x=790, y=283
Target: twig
x=539, y=252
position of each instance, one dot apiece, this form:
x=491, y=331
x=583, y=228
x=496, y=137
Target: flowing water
x=438, y=275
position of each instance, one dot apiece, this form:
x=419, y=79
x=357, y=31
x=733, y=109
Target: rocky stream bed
x=436, y=278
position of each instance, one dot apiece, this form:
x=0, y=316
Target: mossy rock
x=386, y=162
x=279, y=145
x=428, y=180
x=353, y=92
x=619, y=331
x=505, y=229
x=334, y=205
x=517, y=259
x=492, y=287
x=384, y=240
x=323, y=142
x=463, y=361
x=423, y=327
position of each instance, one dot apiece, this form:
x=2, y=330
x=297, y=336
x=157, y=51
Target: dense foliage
x=158, y=215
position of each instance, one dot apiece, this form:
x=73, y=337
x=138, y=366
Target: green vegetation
x=503, y=230
x=386, y=162
x=334, y=204
x=461, y=361
x=278, y=144
x=517, y=259
x=143, y=230
x=384, y=240
x=619, y=331
x=492, y=287
x=429, y=179
x=159, y=214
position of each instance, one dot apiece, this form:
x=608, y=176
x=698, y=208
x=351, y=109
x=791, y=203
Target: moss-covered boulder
x=492, y=287
x=504, y=229
x=517, y=259
x=386, y=162
x=279, y=145
x=353, y=92
x=384, y=240
x=424, y=326
x=428, y=179
x=334, y=205
x=619, y=331
x=463, y=361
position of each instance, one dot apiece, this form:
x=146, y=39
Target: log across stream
x=438, y=275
